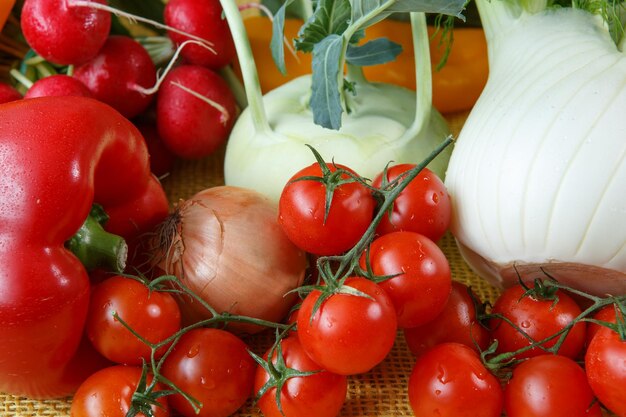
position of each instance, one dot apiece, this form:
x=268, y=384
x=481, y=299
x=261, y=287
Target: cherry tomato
x=348, y=334
x=302, y=207
x=109, y=391
x=450, y=380
x=549, y=386
x=422, y=207
x=321, y=394
x=420, y=291
x=607, y=313
x=539, y=319
x=456, y=323
x=605, y=362
x=214, y=367
x=153, y=315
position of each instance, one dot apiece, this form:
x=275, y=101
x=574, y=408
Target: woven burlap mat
x=379, y=393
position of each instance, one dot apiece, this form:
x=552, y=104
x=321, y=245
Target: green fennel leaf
x=278, y=30
x=325, y=98
x=377, y=51
x=331, y=17
x=373, y=11
x=447, y=7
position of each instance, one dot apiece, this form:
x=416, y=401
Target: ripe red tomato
x=606, y=369
x=549, y=386
x=456, y=323
x=301, y=212
x=450, y=380
x=420, y=291
x=321, y=394
x=109, y=391
x=348, y=334
x=214, y=367
x=153, y=315
x=607, y=313
x=539, y=319
x=423, y=206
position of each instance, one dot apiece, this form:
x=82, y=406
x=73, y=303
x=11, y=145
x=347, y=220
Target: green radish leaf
x=377, y=51
x=325, y=99
x=331, y=17
x=278, y=31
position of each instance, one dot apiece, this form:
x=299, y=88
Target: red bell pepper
x=59, y=156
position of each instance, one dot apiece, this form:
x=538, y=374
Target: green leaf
x=278, y=31
x=325, y=98
x=377, y=51
x=331, y=17
x=373, y=11
x=447, y=7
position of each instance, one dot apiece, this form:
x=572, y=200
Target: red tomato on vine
x=458, y=322
x=318, y=394
x=605, y=363
x=109, y=392
x=348, y=334
x=214, y=367
x=450, y=380
x=153, y=315
x=535, y=318
x=549, y=386
x=420, y=280
x=315, y=227
x=423, y=206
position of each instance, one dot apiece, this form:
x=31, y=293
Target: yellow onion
x=225, y=245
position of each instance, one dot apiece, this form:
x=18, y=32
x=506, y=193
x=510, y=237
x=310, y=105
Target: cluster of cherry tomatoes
x=522, y=357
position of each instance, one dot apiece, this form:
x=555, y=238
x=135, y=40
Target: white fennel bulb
x=538, y=174
x=374, y=133
x=347, y=119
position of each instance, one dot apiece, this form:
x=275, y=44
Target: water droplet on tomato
x=193, y=351
x=442, y=375
x=525, y=324
x=207, y=383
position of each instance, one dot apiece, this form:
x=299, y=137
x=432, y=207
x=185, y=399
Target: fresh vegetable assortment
x=281, y=287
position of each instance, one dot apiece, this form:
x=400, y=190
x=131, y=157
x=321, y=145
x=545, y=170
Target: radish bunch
x=190, y=106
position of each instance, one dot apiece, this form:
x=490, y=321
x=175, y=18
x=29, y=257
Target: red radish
x=57, y=85
x=117, y=73
x=195, y=111
x=62, y=33
x=202, y=18
x=8, y=93
x=161, y=158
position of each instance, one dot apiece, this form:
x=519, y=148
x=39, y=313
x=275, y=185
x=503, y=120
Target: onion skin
x=225, y=245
